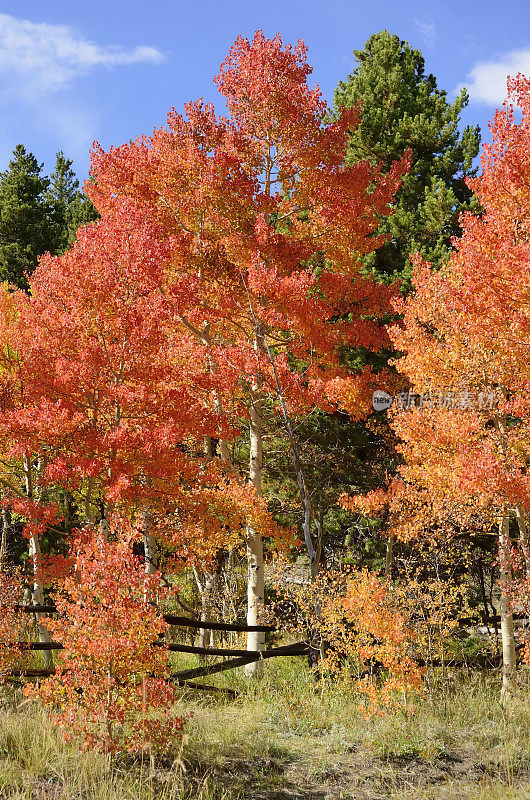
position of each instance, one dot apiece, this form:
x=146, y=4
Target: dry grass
x=285, y=737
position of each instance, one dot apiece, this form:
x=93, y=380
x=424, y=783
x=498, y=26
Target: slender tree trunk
x=230, y=589
x=315, y=554
x=204, y=336
x=482, y=584
x=316, y=645
x=3, y=544
x=227, y=565
x=255, y=584
x=104, y=527
x=37, y=595
x=509, y=665
x=150, y=547
x=207, y=589
x=89, y=514
x=389, y=555
x=224, y=453
x=207, y=584
x=208, y=449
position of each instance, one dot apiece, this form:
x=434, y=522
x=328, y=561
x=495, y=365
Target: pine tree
x=25, y=224
x=402, y=108
x=37, y=214
x=70, y=208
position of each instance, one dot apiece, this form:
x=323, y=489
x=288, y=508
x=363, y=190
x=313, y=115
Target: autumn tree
x=100, y=408
x=267, y=230
x=111, y=686
x=98, y=401
x=367, y=633
x=99, y=404
x=465, y=350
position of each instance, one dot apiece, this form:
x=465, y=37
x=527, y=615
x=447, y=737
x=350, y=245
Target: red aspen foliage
x=108, y=407
x=111, y=683
x=103, y=400
x=265, y=224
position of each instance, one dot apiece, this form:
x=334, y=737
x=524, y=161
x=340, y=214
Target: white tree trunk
x=37, y=595
x=150, y=548
x=3, y=545
x=207, y=589
x=389, y=556
x=255, y=584
x=509, y=665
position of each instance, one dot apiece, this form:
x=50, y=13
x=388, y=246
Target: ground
x=286, y=737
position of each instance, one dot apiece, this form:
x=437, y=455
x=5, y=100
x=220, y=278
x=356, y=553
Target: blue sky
x=72, y=72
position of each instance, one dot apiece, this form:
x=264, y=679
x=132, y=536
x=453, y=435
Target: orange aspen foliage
x=265, y=225
x=104, y=405
x=465, y=340
x=365, y=633
x=100, y=399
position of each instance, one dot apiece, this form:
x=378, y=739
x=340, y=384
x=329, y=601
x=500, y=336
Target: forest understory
x=287, y=736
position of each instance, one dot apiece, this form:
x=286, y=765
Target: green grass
x=286, y=737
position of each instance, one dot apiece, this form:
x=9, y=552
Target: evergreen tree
x=37, y=213
x=25, y=224
x=402, y=108
x=70, y=208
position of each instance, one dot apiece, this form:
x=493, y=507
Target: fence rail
x=235, y=657
x=181, y=648
x=171, y=619
x=189, y=622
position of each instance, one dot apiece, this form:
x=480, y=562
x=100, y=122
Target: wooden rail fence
x=236, y=657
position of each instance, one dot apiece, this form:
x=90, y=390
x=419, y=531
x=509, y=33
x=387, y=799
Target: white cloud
x=486, y=83
x=427, y=32
x=37, y=56
x=37, y=60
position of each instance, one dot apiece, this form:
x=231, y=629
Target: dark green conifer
x=402, y=108
x=70, y=208
x=26, y=228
